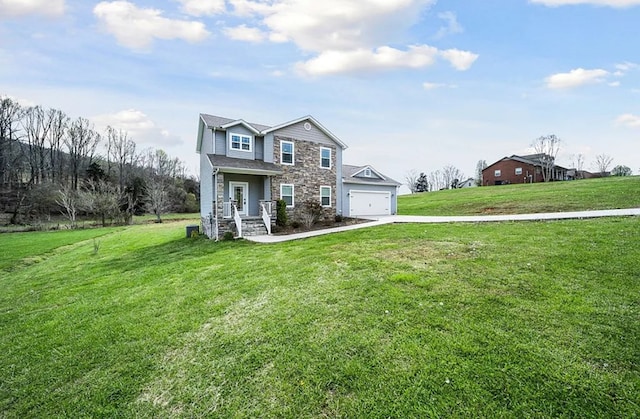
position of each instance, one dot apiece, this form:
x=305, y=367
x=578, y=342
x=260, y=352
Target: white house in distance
x=245, y=167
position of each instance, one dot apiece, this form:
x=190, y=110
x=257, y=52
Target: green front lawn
x=534, y=319
x=579, y=195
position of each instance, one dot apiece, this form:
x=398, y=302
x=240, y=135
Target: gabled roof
x=349, y=175
x=312, y=120
x=213, y=121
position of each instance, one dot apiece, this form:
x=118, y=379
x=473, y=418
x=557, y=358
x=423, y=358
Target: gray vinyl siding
x=298, y=131
x=206, y=186
x=236, y=153
x=372, y=177
x=221, y=143
x=268, y=148
x=347, y=187
x=259, y=148
x=206, y=178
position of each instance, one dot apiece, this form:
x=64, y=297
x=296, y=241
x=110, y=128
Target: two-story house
x=246, y=167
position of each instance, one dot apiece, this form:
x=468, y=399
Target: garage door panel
x=368, y=203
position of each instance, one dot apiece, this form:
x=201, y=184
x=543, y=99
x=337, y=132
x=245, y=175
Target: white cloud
x=452, y=27
x=460, y=60
x=244, y=33
x=202, y=7
x=628, y=120
x=139, y=127
x=626, y=66
x=136, y=28
x=610, y=3
x=14, y=8
x=433, y=86
x=614, y=84
x=347, y=36
x=382, y=58
x=575, y=78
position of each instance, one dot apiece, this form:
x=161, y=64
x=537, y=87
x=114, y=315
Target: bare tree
x=578, y=163
x=603, y=161
x=10, y=150
x=546, y=147
x=69, y=200
x=161, y=169
x=100, y=198
x=59, y=122
x=81, y=143
x=410, y=179
x=121, y=151
x=451, y=176
x=36, y=126
x=480, y=166
x=436, y=181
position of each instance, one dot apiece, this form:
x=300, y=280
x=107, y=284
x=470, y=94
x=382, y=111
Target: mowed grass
x=536, y=319
x=579, y=195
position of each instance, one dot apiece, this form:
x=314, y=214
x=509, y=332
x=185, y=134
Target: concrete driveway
x=391, y=219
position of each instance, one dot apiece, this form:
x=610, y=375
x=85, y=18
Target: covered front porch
x=242, y=196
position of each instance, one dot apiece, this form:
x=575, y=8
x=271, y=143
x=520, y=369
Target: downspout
x=215, y=195
x=215, y=181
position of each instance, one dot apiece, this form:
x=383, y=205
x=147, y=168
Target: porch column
x=219, y=195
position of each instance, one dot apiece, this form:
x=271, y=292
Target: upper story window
x=241, y=142
x=325, y=158
x=286, y=152
x=367, y=172
x=518, y=170
x=497, y=173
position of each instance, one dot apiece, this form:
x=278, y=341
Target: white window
x=286, y=152
x=240, y=142
x=325, y=158
x=286, y=194
x=497, y=173
x=518, y=170
x=325, y=196
x=367, y=172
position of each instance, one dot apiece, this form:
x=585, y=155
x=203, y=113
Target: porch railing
x=237, y=219
x=265, y=207
x=227, y=210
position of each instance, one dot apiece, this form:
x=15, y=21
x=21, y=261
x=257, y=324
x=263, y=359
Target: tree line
x=449, y=177
x=50, y=163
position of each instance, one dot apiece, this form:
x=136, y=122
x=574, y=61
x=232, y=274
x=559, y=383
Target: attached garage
x=369, y=203
x=367, y=192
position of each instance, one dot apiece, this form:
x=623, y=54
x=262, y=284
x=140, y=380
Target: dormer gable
x=368, y=172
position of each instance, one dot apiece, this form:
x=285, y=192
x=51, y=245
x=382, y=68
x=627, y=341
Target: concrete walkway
x=453, y=219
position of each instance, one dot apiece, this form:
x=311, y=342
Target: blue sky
x=407, y=84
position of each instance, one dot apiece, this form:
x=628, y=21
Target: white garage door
x=363, y=203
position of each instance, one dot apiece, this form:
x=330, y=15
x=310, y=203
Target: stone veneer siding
x=306, y=174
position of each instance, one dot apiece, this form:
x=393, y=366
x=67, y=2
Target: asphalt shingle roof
x=218, y=121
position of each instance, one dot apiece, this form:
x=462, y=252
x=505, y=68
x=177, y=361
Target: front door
x=240, y=193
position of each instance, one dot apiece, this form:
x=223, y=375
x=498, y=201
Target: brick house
x=246, y=167
x=522, y=169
